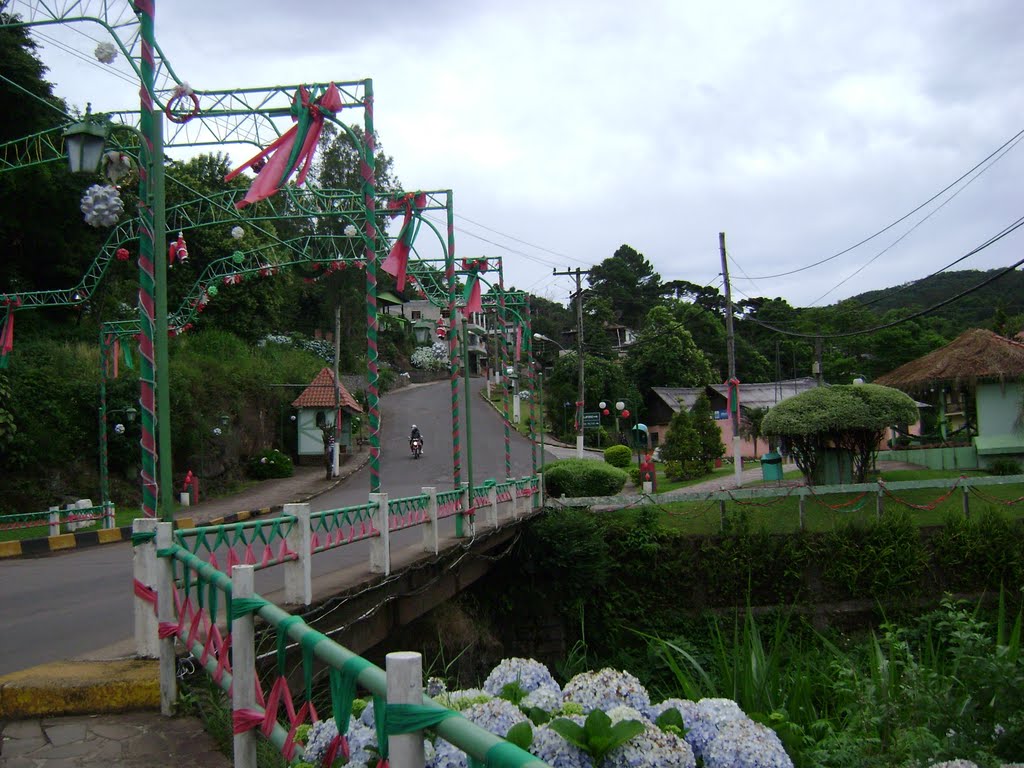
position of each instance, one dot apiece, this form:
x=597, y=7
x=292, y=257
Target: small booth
x=318, y=408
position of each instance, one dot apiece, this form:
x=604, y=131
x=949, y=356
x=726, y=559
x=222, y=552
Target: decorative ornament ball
x=350, y=230
x=238, y=256
x=237, y=232
x=119, y=429
x=605, y=412
x=211, y=290
x=122, y=254
x=105, y=53
x=217, y=431
x=625, y=413
x=102, y=205
x=263, y=460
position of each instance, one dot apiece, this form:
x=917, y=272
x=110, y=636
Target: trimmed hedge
x=582, y=477
x=618, y=456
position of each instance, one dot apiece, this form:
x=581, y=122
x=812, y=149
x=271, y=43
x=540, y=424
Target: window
x=416, y=314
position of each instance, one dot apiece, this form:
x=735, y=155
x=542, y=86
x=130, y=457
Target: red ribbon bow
x=398, y=258
x=475, y=268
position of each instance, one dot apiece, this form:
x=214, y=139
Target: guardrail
x=182, y=599
x=81, y=514
x=879, y=489
x=291, y=539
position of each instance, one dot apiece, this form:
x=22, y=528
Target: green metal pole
x=368, y=171
x=506, y=356
x=464, y=336
x=540, y=389
x=104, y=471
x=531, y=381
x=454, y=362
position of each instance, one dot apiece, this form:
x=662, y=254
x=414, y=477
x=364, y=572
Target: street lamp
x=579, y=399
x=85, y=141
x=621, y=409
x=119, y=429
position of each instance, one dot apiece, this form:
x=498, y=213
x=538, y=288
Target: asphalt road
x=70, y=604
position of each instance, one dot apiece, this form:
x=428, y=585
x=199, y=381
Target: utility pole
x=817, y=362
x=580, y=407
x=336, y=458
x=730, y=340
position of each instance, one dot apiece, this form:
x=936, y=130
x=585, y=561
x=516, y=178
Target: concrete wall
x=998, y=407
x=311, y=441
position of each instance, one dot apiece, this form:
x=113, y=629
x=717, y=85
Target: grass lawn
x=122, y=517
x=824, y=513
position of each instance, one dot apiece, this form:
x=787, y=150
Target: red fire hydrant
x=648, y=474
x=191, y=487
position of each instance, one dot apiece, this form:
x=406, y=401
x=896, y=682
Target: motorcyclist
x=415, y=435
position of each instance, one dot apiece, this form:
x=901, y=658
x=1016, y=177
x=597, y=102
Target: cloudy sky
x=567, y=128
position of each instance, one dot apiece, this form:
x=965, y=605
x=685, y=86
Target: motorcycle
x=416, y=447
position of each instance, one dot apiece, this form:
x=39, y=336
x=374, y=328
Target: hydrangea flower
x=548, y=699
x=494, y=715
x=746, y=744
x=321, y=734
x=708, y=716
x=654, y=748
x=605, y=689
x=554, y=750
x=954, y=764
x=622, y=712
x=529, y=674
x=685, y=707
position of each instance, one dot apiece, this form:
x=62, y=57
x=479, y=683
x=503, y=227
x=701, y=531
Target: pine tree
x=709, y=435
x=681, y=449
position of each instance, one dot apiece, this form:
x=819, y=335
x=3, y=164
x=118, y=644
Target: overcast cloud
x=798, y=128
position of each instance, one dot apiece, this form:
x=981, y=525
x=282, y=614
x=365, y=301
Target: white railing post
x=243, y=665
x=144, y=571
x=380, y=546
x=68, y=512
x=109, y=515
x=298, y=574
x=165, y=615
x=468, y=520
x=492, y=503
x=54, y=521
x=430, y=535
x=405, y=675
x=540, y=491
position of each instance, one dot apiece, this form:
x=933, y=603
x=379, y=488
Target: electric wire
x=518, y=240
x=901, y=219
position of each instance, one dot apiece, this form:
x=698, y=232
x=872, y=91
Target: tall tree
x=629, y=282
x=664, y=355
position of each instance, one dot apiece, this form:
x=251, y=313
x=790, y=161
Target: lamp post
x=119, y=429
x=621, y=409
x=579, y=403
x=85, y=141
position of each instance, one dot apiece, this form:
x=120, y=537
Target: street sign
x=592, y=420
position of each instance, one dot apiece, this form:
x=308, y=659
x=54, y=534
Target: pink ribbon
x=398, y=258
x=475, y=268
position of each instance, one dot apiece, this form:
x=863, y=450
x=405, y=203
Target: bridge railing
x=187, y=602
x=80, y=514
x=291, y=539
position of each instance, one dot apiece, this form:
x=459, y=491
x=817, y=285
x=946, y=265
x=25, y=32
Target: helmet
x=414, y=426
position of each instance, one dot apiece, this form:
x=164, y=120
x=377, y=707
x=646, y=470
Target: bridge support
x=380, y=547
x=430, y=530
x=298, y=574
x=492, y=506
x=405, y=675
x=144, y=570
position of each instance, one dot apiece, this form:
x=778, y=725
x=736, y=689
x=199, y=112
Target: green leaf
x=520, y=734
x=624, y=731
x=538, y=716
x=571, y=732
x=671, y=718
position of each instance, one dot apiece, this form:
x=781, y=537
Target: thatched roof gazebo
x=973, y=356
x=978, y=381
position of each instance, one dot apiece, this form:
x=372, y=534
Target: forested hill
x=1006, y=293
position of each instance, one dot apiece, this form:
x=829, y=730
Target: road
x=70, y=604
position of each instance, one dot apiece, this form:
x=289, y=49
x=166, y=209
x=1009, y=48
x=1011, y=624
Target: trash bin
x=771, y=466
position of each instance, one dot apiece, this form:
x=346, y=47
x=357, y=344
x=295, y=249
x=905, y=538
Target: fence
x=81, y=514
x=875, y=493
x=182, y=598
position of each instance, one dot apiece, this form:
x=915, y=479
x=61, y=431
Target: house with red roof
x=321, y=405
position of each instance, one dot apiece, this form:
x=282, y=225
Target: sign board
x=592, y=420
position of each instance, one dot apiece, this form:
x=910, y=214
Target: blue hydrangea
x=954, y=764
x=554, y=750
x=495, y=715
x=362, y=744
x=746, y=744
x=319, y=739
x=685, y=707
x=606, y=689
x=654, y=748
x=548, y=699
x=447, y=756
x=529, y=674
x=706, y=718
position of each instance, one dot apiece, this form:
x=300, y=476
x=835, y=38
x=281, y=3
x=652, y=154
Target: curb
x=80, y=688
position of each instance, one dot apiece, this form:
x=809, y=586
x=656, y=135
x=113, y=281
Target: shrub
x=270, y=463
x=1004, y=466
x=618, y=456
x=583, y=477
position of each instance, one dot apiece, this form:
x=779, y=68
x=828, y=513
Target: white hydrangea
x=746, y=744
x=605, y=689
x=955, y=764
x=548, y=699
x=102, y=205
x=528, y=673
x=622, y=712
x=554, y=750
x=708, y=716
x=654, y=748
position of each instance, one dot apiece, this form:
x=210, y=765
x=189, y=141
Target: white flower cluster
x=653, y=747
x=606, y=689
x=274, y=338
x=548, y=699
x=105, y=53
x=955, y=764
x=465, y=697
x=746, y=744
x=102, y=205
x=530, y=675
x=350, y=230
x=427, y=359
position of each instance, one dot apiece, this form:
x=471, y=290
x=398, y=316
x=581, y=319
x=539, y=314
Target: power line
x=903, y=218
x=518, y=240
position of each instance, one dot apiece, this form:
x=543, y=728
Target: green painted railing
x=407, y=512
x=238, y=542
x=337, y=527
